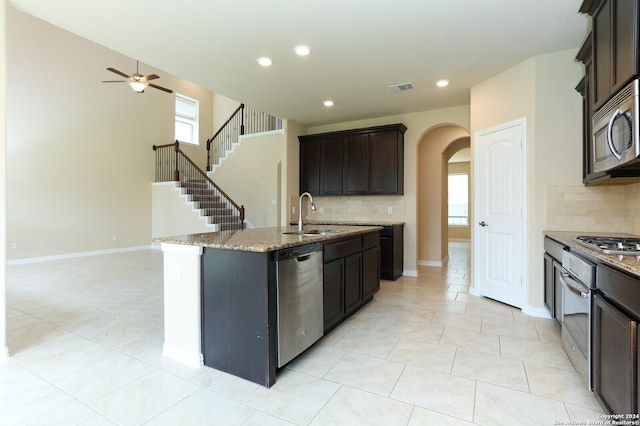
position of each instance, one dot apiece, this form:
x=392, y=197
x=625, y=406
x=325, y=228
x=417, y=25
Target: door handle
x=483, y=224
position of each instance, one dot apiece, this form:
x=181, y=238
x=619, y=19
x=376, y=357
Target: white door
x=499, y=247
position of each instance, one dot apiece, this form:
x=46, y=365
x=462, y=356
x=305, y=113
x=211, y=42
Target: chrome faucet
x=313, y=209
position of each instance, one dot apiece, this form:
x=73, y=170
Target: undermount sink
x=313, y=232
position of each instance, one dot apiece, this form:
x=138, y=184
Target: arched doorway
x=434, y=151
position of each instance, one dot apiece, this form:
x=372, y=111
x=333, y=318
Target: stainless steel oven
x=578, y=282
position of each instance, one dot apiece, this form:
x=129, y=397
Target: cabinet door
x=352, y=282
x=370, y=272
x=614, y=361
x=548, y=285
x=356, y=163
x=331, y=165
x=386, y=257
x=625, y=16
x=385, y=157
x=310, y=166
x=602, y=52
x=333, y=284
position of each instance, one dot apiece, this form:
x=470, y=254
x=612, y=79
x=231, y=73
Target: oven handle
x=612, y=147
x=574, y=286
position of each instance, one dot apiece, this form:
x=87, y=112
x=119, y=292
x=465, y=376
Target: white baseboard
x=535, y=312
x=4, y=353
x=410, y=273
x=78, y=254
x=430, y=263
x=178, y=355
x=455, y=242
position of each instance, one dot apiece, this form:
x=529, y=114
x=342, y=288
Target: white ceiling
x=358, y=47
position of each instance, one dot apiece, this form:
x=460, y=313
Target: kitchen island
x=220, y=292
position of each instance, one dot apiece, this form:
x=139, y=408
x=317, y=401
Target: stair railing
x=244, y=120
x=172, y=164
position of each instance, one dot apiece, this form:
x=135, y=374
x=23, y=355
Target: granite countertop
x=631, y=264
x=352, y=222
x=262, y=239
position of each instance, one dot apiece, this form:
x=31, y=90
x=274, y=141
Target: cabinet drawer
x=622, y=288
x=370, y=240
x=554, y=248
x=342, y=249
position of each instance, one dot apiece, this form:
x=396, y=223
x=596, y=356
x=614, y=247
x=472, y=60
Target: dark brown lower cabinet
x=333, y=277
x=351, y=276
x=615, y=358
x=391, y=252
x=352, y=282
x=370, y=272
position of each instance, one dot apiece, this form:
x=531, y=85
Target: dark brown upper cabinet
x=367, y=161
x=615, y=45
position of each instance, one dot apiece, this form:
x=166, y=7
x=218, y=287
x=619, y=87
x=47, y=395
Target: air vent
x=402, y=87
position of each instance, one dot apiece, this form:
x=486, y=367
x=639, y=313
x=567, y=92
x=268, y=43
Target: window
x=459, y=199
x=186, y=119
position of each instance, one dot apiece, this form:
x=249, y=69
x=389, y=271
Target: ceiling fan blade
x=159, y=88
x=118, y=72
x=113, y=81
x=150, y=77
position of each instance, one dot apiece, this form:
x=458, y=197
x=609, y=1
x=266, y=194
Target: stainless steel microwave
x=616, y=140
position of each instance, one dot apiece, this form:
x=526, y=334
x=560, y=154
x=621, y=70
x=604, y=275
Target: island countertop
x=263, y=239
x=313, y=222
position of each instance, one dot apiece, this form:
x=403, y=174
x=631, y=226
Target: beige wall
x=291, y=170
x=79, y=152
x=417, y=125
x=3, y=182
x=540, y=89
x=224, y=108
x=432, y=193
x=252, y=176
x=461, y=233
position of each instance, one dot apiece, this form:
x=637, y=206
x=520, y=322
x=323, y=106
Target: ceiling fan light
x=138, y=86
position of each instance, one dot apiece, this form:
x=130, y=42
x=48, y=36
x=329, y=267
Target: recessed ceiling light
x=328, y=103
x=302, y=50
x=264, y=61
x=442, y=83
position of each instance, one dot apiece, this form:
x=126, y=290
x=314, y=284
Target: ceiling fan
x=137, y=81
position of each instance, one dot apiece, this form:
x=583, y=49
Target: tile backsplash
x=593, y=208
x=356, y=208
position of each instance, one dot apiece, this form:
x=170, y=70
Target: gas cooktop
x=611, y=245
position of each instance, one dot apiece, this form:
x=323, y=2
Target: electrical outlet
x=321, y=210
x=114, y=237
x=14, y=246
x=293, y=210
x=389, y=210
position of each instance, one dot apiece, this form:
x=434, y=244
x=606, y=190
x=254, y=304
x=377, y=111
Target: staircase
x=172, y=164
x=244, y=120
x=212, y=206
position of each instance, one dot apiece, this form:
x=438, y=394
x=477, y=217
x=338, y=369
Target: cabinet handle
x=483, y=224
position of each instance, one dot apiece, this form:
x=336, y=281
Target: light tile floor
x=85, y=337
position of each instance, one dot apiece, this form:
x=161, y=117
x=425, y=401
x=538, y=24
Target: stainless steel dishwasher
x=299, y=295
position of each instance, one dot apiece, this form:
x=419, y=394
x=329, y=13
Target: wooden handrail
x=223, y=127
x=164, y=162
x=204, y=175
x=251, y=120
